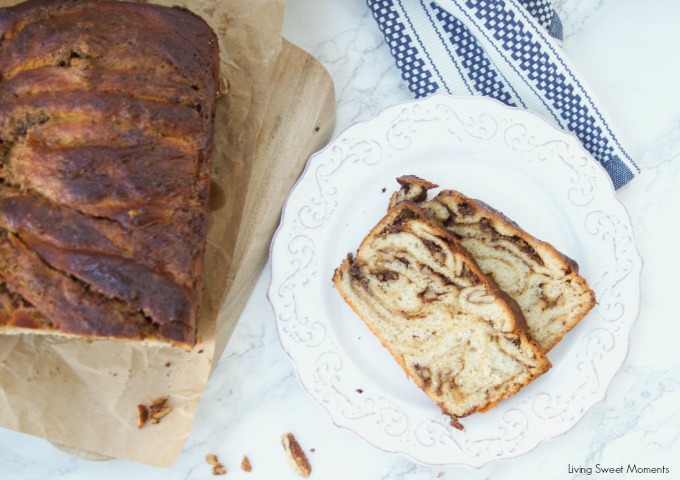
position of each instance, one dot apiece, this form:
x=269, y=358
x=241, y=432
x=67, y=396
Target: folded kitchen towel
x=504, y=49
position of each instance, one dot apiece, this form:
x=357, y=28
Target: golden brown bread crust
x=549, y=289
x=106, y=133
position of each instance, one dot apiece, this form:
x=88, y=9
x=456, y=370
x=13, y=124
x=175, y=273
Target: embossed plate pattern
x=537, y=175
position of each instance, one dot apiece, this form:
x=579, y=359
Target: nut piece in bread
x=451, y=329
x=544, y=282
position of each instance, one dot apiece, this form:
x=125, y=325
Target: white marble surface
x=627, y=50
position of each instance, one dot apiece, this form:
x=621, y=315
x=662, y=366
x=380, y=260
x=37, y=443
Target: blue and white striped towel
x=505, y=49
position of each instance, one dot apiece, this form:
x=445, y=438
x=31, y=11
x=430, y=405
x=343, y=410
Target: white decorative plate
x=537, y=175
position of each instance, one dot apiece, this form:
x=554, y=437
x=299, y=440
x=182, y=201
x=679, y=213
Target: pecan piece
x=152, y=413
x=477, y=294
x=217, y=467
x=245, y=465
x=142, y=415
x=159, y=409
x=295, y=455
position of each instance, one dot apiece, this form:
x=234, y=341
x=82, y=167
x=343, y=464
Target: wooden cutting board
x=299, y=120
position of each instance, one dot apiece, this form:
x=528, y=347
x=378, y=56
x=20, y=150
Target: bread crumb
x=142, y=415
x=218, y=468
x=295, y=455
x=223, y=85
x=456, y=424
x=245, y=464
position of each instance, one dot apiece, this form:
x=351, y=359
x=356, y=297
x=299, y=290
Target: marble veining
x=628, y=55
x=575, y=13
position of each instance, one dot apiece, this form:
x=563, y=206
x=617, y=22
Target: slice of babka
x=454, y=332
x=544, y=282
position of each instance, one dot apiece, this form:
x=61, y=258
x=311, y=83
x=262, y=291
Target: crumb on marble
x=245, y=464
x=217, y=467
x=295, y=455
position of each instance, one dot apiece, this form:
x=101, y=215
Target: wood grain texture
x=299, y=120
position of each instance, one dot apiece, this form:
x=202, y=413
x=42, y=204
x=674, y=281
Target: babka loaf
x=106, y=133
x=544, y=282
x=457, y=335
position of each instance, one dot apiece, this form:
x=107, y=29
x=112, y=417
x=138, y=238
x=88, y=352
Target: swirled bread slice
x=453, y=331
x=544, y=282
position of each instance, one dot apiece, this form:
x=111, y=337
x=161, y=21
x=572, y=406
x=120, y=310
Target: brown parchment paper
x=83, y=394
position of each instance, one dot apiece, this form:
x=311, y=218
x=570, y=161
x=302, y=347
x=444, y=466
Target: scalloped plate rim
x=292, y=354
